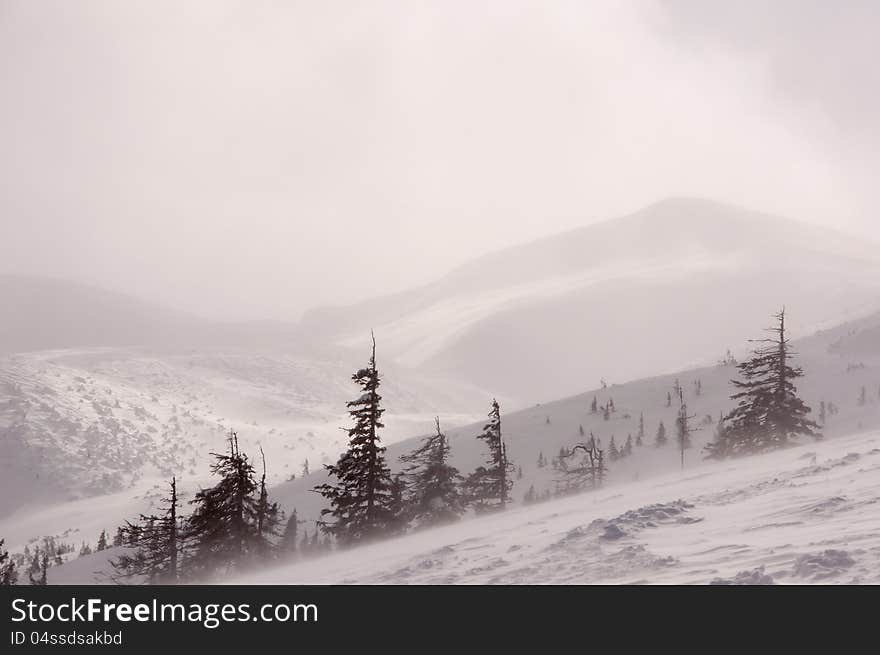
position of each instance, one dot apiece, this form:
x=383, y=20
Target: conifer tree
x=769, y=413
x=594, y=406
x=640, y=435
x=581, y=430
x=613, y=453
x=119, y=537
x=628, y=446
x=223, y=525
x=288, y=539
x=863, y=397
x=661, y=439
x=606, y=412
x=683, y=428
x=8, y=574
x=541, y=461
x=267, y=517
x=489, y=486
x=102, y=541
x=360, y=498
x=38, y=574
x=153, y=546
x=822, y=412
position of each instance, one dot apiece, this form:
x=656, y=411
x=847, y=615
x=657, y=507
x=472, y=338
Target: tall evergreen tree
x=102, y=541
x=489, y=486
x=267, y=517
x=683, y=428
x=361, y=499
x=640, y=435
x=434, y=496
x=223, y=525
x=153, y=545
x=769, y=413
x=8, y=574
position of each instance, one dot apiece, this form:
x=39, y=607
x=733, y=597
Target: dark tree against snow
x=489, y=486
x=434, y=496
x=152, y=546
x=769, y=413
x=683, y=428
x=360, y=497
x=8, y=574
x=224, y=526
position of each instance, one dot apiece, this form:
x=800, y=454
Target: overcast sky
x=253, y=159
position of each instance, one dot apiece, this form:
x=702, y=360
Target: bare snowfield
x=808, y=514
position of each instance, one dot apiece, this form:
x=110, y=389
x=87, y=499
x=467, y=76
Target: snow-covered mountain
x=674, y=284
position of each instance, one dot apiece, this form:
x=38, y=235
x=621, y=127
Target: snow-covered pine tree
x=119, y=537
x=223, y=528
x=628, y=446
x=822, y=412
x=489, y=486
x=360, y=498
x=660, y=439
x=8, y=574
x=594, y=406
x=153, y=546
x=102, y=541
x=769, y=413
x=581, y=430
x=640, y=435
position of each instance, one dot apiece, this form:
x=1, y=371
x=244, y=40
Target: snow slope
x=809, y=514
x=667, y=287
x=838, y=363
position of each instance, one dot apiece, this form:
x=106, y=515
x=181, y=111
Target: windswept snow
x=776, y=518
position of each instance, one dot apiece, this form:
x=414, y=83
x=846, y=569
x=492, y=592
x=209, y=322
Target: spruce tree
x=153, y=546
x=613, y=453
x=288, y=539
x=38, y=574
x=769, y=413
x=683, y=428
x=102, y=541
x=8, y=574
x=489, y=486
x=267, y=517
x=661, y=439
x=434, y=496
x=360, y=498
x=594, y=406
x=640, y=435
x=223, y=525
x=628, y=446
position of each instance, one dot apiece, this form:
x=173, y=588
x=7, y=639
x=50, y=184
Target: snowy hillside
x=804, y=515
x=668, y=287
x=83, y=423
x=649, y=475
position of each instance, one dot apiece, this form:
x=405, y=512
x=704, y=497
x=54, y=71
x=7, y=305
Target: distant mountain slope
x=676, y=283
x=48, y=314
